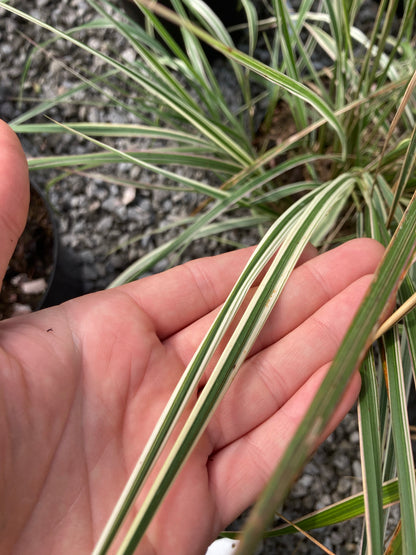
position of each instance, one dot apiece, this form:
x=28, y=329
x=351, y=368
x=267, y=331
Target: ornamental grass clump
x=343, y=167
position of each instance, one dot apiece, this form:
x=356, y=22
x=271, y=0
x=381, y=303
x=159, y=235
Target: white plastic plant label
x=224, y=546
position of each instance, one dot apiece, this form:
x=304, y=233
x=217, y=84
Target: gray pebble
x=105, y=224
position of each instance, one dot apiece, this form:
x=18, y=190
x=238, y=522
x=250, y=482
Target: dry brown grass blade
x=404, y=309
x=390, y=548
x=406, y=97
x=307, y=535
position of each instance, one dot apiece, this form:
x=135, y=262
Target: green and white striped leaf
x=346, y=509
x=292, y=86
x=294, y=241
x=370, y=449
x=401, y=438
x=352, y=350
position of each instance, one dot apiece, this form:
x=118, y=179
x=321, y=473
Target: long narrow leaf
x=401, y=438
x=184, y=108
x=370, y=447
x=341, y=511
x=193, y=373
x=350, y=353
x=237, y=349
x=46, y=105
x=286, y=32
x=259, y=68
x=235, y=196
x=405, y=173
x=97, y=129
x=151, y=159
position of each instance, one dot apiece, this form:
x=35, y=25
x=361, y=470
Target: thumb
x=14, y=194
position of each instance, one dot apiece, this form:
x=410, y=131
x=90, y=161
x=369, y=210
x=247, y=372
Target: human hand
x=83, y=384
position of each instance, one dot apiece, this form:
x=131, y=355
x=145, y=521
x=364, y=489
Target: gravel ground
x=95, y=218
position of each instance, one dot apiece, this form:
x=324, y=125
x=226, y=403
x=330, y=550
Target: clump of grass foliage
x=353, y=136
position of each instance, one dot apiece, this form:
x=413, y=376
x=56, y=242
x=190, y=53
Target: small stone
x=356, y=469
x=167, y=205
x=111, y=204
x=21, y=309
x=105, y=224
x=354, y=437
x=341, y=462
x=336, y=538
x=129, y=194
x=324, y=501
x=146, y=242
x=129, y=55
x=33, y=287
x=94, y=206
x=344, y=485
x=17, y=280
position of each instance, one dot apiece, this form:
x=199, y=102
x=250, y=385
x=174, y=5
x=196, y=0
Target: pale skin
x=78, y=402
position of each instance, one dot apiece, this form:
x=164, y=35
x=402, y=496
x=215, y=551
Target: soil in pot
x=42, y=272
x=31, y=267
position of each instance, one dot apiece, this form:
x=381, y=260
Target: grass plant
x=352, y=135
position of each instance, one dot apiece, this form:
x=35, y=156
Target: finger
x=270, y=378
x=178, y=297
x=239, y=472
x=310, y=286
x=14, y=193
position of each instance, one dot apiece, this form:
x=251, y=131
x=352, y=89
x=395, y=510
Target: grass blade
x=286, y=32
x=346, y=509
x=292, y=86
x=113, y=130
x=401, y=438
x=173, y=96
x=405, y=173
x=370, y=448
x=237, y=348
x=353, y=348
x=395, y=546
x=191, y=376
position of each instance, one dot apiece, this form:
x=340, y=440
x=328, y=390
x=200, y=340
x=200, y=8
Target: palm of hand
x=84, y=383
x=84, y=415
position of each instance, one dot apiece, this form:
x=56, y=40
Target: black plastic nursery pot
x=230, y=13
x=38, y=274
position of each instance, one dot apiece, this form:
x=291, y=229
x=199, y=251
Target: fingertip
x=365, y=248
x=309, y=252
x=14, y=175
x=14, y=192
